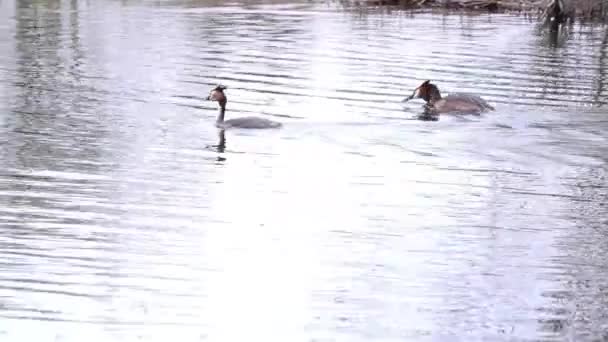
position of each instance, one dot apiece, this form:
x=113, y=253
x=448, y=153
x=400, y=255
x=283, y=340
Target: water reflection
x=221, y=145
x=125, y=214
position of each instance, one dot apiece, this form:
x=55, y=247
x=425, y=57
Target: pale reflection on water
x=125, y=215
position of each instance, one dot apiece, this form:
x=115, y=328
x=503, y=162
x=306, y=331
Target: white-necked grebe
x=249, y=122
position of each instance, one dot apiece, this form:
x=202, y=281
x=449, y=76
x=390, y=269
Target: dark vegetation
x=549, y=10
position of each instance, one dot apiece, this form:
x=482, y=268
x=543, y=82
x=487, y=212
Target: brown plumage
x=453, y=103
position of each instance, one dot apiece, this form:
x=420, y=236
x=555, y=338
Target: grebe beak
x=413, y=96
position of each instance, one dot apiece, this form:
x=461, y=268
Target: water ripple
x=125, y=214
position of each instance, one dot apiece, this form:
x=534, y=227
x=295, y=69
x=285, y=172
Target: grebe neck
x=221, y=113
x=434, y=95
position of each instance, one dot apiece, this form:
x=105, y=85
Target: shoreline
x=562, y=10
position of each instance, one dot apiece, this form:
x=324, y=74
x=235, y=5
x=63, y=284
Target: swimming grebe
x=250, y=122
x=453, y=103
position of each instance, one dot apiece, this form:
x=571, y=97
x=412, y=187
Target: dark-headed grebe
x=453, y=103
x=250, y=122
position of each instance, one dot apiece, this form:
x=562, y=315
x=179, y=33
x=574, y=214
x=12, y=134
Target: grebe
x=249, y=122
x=453, y=103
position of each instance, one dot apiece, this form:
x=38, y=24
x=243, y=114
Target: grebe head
x=217, y=94
x=426, y=91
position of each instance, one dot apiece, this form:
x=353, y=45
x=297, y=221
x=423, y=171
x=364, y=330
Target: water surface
x=121, y=219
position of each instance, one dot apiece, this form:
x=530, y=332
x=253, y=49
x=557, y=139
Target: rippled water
x=122, y=219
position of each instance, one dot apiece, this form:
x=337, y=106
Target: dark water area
x=122, y=220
